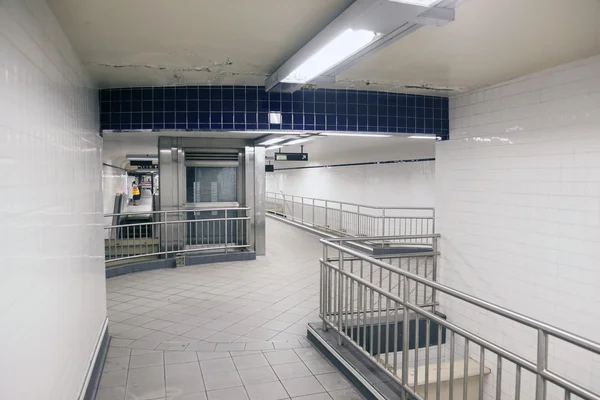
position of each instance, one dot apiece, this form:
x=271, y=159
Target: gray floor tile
x=218, y=365
x=276, y=325
x=147, y=360
x=212, y=355
x=111, y=393
x=118, y=352
x=183, y=378
x=113, y=378
x=319, y=366
x=145, y=383
x=292, y=370
x=201, y=346
x=178, y=328
x=346, y=394
x=139, y=320
x=221, y=380
x=173, y=345
x=262, y=334
x=318, y=396
x=238, y=393
x=239, y=329
x=259, y=346
x=266, y=391
x=282, y=357
x=257, y=375
x=288, y=343
x=308, y=353
x=116, y=364
x=302, y=386
x=222, y=337
x=196, y=396
x=178, y=357
x=230, y=346
x=145, y=344
x=333, y=381
x=199, y=333
x=118, y=342
x=252, y=361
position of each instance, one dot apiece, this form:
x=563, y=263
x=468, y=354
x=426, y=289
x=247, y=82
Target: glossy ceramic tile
x=517, y=190
x=276, y=290
x=53, y=294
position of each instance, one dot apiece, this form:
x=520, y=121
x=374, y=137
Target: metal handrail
x=177, y=211
x=354, y=204
x=165, y=234
x=505, y=312
x=540, y=368
x=352, y=219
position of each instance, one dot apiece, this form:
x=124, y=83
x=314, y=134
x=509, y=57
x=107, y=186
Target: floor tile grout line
x=127, y=375
x=165, y=371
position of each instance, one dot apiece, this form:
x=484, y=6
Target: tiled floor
x=224, y=331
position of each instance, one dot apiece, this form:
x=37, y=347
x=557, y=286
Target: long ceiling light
x=424, y=3
x=298, y=141
x=346, y=44
x=271, y=141
x=355, y=134
x=360, y=29
x=430, y=137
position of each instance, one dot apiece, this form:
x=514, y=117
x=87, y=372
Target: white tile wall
x=406, y=184
x=518, y=206
x=52, y=291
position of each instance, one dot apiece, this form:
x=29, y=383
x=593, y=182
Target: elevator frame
x=251, y=181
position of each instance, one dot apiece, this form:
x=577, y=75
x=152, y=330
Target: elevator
x=209, y=180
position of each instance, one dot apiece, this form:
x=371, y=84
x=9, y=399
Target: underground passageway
x=223, y=331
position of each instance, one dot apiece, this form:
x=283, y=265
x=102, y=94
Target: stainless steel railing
x=355, y=301
x=352, y=219
x=164, y=233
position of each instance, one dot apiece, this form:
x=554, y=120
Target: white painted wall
x=403, y=184
x=52, y=291
x=517, y=195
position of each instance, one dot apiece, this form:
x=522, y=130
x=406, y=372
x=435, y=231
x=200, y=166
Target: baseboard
x=190, y=259
x=94, y=373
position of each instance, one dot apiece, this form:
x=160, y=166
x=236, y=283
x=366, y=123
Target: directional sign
x=291, y=156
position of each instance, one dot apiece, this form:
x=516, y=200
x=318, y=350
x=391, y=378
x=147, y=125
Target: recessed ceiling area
x=234, y=42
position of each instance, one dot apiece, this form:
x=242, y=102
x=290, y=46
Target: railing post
x=225, y=231
x=340, y=297
x=324, y=289
x=166, y=234
x=341, y=225
x=542, y=364
x=405, y=334
x=434, y=277
x=326, y=226
x=383, y=222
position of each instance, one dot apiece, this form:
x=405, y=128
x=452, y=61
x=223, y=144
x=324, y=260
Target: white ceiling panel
x=160, y=42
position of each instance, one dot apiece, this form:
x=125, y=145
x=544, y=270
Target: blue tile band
x=239, y=108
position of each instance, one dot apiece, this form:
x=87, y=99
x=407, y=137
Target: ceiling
x=159, y=42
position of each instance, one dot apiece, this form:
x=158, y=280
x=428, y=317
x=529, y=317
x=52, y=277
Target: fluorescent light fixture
x=346, y=44
x=275, y=118
x=354, y=134
x=423, y=137
x=274, y=147
x=142, y=157
x=271, y=141
x=424, y=3
x=298, y=141
x=273, y=131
